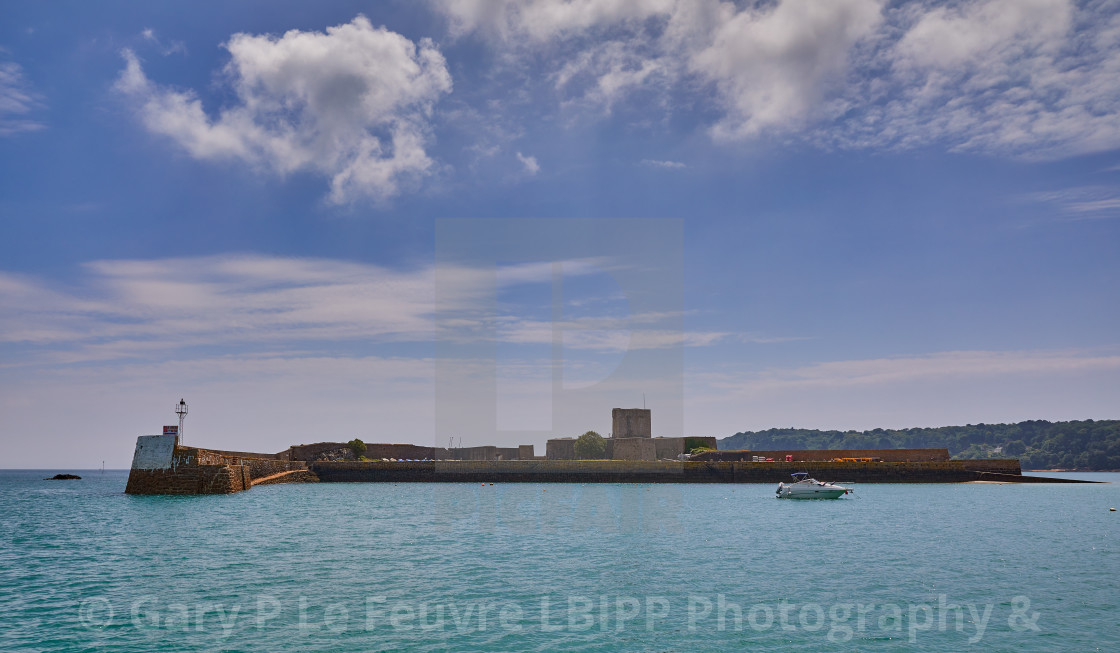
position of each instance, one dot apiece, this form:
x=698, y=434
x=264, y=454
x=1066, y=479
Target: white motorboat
x=804, y=487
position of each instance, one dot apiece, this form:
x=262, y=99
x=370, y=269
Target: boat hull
x=811, y=493
x=810, y=488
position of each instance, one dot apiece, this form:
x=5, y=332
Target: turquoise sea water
x=513, y=567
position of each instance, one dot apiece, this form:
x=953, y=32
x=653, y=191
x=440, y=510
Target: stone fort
x=631, y=438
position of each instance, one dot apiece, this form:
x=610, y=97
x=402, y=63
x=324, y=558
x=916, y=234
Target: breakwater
x=161, y=466
x=627, y=471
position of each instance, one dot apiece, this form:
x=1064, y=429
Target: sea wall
x=885, y=455
x=995, y=466
x=619, y=471
x=161, y=466
x=196, y=479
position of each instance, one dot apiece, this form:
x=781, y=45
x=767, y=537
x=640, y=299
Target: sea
x=558, y=567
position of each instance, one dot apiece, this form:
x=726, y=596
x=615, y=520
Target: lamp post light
x=181, y=411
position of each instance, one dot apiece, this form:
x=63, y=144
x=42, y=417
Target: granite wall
x=885, y=455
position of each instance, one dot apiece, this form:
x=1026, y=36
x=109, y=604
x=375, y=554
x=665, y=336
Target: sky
x=490, y=222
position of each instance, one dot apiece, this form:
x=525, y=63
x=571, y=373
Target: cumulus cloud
x=770, y=63
x=663, y=164
x=1036, y=79
x=17, y=100
x=352, y=103
x=773, y=67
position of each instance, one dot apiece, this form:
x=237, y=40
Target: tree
x=590, y=445
x=358, y=447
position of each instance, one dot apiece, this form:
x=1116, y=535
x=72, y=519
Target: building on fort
x=631, y=438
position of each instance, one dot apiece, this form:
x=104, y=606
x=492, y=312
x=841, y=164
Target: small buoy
x=483, y=484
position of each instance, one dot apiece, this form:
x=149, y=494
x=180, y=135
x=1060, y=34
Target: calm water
x=557, y=567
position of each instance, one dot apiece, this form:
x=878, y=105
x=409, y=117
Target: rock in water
x=64, y=477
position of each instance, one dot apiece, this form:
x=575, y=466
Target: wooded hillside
x=1085, y=445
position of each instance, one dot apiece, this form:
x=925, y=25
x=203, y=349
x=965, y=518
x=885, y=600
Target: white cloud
x=352, y=103
x=771, y=63
x=155, y=309
x=609, y=334
x=530, y=163
x=605, y=73
x=1037, y=79
x=17, y=100
x=544, y=19
x=960, y=364
x=1034, y=79
x=1082, y=202
x=141, y=309
x=149, y=35
x=773, y=67
x=663, y=164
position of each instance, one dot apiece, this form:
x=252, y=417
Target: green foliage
x=590, y=446
x=1086, y=445
x=358, y=447
x=695, y=443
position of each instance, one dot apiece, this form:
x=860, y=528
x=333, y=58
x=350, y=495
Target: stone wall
x=634, y=449
x=631, y=423
x=258, y=467
x=885, y=455
x=294, y=476
x=159, y=466
x=246, y=454
x=380, y=450
x=621, y=471
x=560, y=449
x=487, y=452
x=995, y=466
x=197, y=479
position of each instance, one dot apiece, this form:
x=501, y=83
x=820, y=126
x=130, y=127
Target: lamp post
x=181, y=411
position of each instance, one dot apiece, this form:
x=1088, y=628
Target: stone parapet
x=817, y=455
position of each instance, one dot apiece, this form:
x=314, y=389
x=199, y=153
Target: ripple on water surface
x=556, y=567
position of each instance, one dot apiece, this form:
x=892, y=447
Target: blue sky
x=409, y=221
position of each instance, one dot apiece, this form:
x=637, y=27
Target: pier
x=161, y=465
